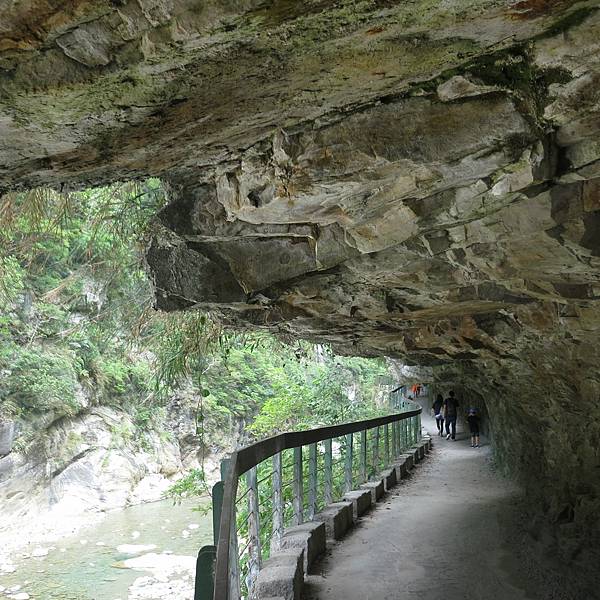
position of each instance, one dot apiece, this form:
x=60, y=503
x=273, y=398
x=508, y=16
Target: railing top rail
x=250, y=456
x=245, y=458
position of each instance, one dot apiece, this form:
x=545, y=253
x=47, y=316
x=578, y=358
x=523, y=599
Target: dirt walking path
x=435, y=537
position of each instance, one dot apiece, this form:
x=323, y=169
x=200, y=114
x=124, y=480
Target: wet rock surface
x=414, y=179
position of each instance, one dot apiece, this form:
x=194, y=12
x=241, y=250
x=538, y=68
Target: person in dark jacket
x=450, y=414
x=438, y=412
x=473, y=420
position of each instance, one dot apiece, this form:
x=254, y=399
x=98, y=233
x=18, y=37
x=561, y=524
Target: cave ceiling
x=419, y=179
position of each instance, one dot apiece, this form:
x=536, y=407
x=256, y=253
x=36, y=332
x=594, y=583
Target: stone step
x=311, y=536
x=377, y=489
x=282, y=575
x=338, y=518
x=361, y=501
x=389, y=478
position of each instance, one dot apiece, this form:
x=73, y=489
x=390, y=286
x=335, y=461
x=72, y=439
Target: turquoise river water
x=88, y=566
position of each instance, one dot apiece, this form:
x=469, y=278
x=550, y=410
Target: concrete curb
x=311, y=537
x=338, y=518
x=389, y=478
x=282, y=575
x=403, y=465
x=361, y=501
x=377, y=489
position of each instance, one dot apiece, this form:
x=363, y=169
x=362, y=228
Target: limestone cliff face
x=414, y=179
x=91, y=462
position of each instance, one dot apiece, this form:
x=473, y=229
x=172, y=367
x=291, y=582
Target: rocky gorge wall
x=413, y=179
x=81, y=466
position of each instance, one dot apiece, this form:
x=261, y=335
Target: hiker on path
x=438, y=411
x=473, y=420
x=450, y=414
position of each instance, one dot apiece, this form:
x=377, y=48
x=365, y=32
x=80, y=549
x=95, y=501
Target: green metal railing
x=284, y=481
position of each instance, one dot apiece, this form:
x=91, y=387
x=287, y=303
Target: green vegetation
x=69, y=267
x=71, y=337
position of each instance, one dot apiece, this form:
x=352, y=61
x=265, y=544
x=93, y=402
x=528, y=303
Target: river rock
x=39, y=552
x=162, y=565
x=7, y=567
x=20, y=596
x=135, y=548
x=150, y=588
x=150, y=488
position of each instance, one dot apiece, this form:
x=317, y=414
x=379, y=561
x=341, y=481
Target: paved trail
x=436, y=537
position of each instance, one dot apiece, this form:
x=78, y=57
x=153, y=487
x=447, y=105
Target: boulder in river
x=7, y=567
x=162, y=565
x=149, y=588
x=135, y=548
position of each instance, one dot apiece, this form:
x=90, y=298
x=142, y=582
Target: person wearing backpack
x=450, y=414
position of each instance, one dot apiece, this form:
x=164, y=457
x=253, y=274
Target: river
x=96, y=564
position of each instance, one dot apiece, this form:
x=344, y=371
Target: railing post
x=399, y=437
x=254, y=551
x=312, y=482
x=348, y=464
x=277, y=501
x=386, y=444
x=376, y=452
x=328, y=472
x=234, y=564
x=298, y=501
x=217, y=508
x=204, y=585
x=363, y=455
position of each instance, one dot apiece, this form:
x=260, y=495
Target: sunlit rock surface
x=86, y=463
x=415, y=179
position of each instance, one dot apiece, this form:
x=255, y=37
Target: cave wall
x=413, y=179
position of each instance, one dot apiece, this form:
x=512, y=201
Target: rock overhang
x=380, y=174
